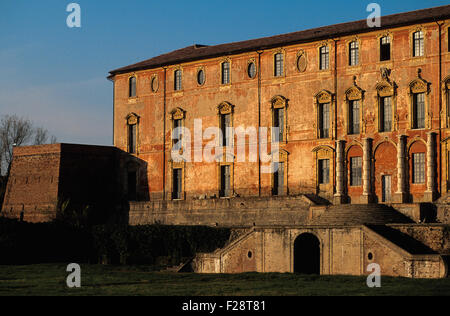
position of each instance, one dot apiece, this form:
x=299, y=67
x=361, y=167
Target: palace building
x=362, y=173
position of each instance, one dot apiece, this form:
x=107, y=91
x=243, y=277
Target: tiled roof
x=198, y=52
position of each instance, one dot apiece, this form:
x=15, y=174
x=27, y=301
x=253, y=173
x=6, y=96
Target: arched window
x=385, y=48
x=324, y=58
x=278, y=64
x=132, y=87
x=354, y=53
x=132, y=131
x=418, y=44
x=279, y=118
x=226, y=72
x=177, y=80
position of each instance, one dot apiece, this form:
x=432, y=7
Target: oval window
x=251, y=70
x=201, y=77
x=154, y=84
x=301, y=63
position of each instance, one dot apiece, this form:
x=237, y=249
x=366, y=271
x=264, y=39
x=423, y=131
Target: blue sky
x=56, y=76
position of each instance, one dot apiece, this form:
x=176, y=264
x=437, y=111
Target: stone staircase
x=349, y=215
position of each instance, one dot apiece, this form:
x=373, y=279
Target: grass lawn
x=50, y=279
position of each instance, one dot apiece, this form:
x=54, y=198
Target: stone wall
x=343, y=251
x=223, y=212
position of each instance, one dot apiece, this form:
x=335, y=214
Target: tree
x=18, y=131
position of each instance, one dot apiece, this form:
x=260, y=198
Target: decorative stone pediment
x=354, y=93
x=385, y=89
x=178, y=114
x=324, y=96
x=419, y=85
x=326, y=149
x=225, y=108
x=132, y=119
x=279, y=102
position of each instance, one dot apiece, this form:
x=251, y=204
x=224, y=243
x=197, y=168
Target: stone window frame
x=410, y=167
x=249, y=62
x=180, y=69
x=132, y=119
x=319, y=54
x=385, y=89
x=153, y=78
x=201, y=68
x=354, y=93
x=324, y=97
x=172, y=166
x=222, y=109
x=321, y=153
x=135, y=76
x=226, y=160
x=301, y=53
x=177, y=114
x=391, y=39
x=280, y=102
x=347, y=49
x=446, y=100
x=281, y=51
x=283, y=158
x=348, y=168
x=418, y=86
x=226, y=60
x=446, y=164
x=418, y=28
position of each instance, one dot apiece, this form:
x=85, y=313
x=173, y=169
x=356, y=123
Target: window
x=225, y=124
x=132, y=87
x=418, y=168
x=251, y=70
x=132, y=138
x=177, y=124
x=354, y=117
x=324, y=171
x=419, y=110
x=154, y=85
x=177, y=184
x=278, y=65
x=177, y=80
x=385, y=114
x=225, y=181
x=201, y=77
x=418, y=45
x=324, y=58
x=225, y=72
x=278, y=122
x=278, y=179
x=324, y=120
x=385, y=48
x=353, y=53
x=355, y=171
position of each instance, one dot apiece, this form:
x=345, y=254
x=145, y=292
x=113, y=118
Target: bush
x=26, y=243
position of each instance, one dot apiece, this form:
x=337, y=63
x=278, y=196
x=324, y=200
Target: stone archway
x=307, y=254
x=385, y=172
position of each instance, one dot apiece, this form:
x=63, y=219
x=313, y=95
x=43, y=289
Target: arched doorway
x=307, y=254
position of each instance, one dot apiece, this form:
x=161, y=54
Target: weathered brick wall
x=32, y=187
x=43, y=176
